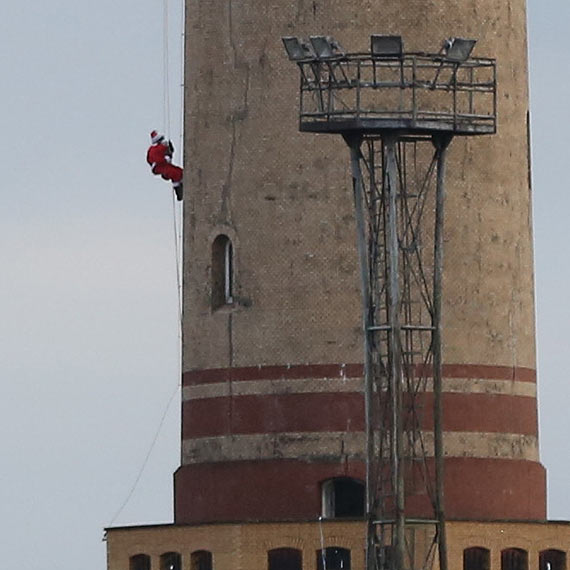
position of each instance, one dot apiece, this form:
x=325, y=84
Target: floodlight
x=298, y=48
x=326, y=47
x=458, y=50
x=386, y=46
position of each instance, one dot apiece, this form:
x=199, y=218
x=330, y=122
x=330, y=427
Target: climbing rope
x=165, y=70
x=177, y=225
x=146, y=459
x=182, y=54
x=176, y=211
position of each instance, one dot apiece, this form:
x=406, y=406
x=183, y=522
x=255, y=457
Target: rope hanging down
x=166, y=73
x=177, y=216
x=177, y=223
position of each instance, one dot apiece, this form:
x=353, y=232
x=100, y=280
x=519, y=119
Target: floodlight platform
x=377, y=126
x=398, y=113
x=413, y=93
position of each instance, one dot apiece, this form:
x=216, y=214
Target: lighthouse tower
x=272, y=367
x=273, y=446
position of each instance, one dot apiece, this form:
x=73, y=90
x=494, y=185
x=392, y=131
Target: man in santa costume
x=159, y=156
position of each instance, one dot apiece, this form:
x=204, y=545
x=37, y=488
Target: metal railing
x=414, y=91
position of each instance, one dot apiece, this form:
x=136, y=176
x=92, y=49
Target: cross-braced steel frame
x=398, y=194
x=398, y=115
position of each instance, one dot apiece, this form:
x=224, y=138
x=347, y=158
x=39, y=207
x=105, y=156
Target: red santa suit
x=159, y=156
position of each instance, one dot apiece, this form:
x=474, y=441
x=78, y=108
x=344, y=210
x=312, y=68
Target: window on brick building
x=342, y=497
x=285, y=559
x=514, y=559
x=552, y=560
x=222, y=272
x=476, y=558
x=201, y=560
x=333, y=558
x=139, y=562
x=171, y=561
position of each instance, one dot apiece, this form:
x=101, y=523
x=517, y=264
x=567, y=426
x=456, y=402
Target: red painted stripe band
x=332, y=412
x=297, y=371
x=480, y=489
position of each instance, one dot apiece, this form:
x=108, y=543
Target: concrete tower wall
x=272, y=399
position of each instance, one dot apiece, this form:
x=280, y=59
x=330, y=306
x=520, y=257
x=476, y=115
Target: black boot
x=178, y=192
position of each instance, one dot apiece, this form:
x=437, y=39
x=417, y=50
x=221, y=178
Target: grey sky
x=550, y=82
x=88, y=336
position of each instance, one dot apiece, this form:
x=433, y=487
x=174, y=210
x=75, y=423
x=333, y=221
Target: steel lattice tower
x=398, y=113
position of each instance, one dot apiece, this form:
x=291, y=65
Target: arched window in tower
x=514, y=559
x=201, y=560
x=170, y=561
x=139, y=562
x=285, y=559
x=476, y=558
x=552, y=560
x=333, y=558
x=222, y=271
x=342, y=497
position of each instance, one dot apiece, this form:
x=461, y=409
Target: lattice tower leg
x=398, y=188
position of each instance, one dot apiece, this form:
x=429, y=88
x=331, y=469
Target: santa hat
x=155, y=137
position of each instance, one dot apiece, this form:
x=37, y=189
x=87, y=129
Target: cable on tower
x=176, y=212
x=177, y=226
x=165, y=74
x=146, y=459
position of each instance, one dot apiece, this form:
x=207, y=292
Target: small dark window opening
x=476, y=558
x=343, y=497
x=514, y=559
x=139, y=562
x=552, y=560
x=285, y=559
x=201, y=560
x=171, y=561
x=333, y=558
x=222, y=272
